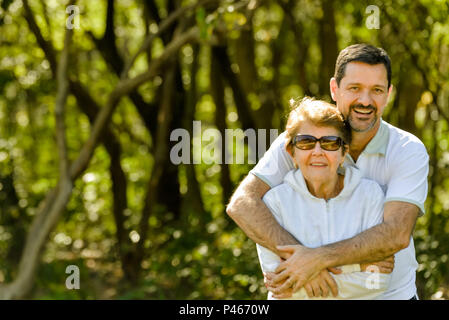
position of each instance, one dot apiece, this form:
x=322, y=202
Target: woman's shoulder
x=278, y=199
x=278, y=191
x=281, y=193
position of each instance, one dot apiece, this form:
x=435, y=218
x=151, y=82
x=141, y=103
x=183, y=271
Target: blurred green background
x=139, y=226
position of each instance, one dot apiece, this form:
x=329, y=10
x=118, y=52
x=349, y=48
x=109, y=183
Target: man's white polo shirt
x=398, y=162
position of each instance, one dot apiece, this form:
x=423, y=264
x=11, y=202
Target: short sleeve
x=275, y=163
x=408, y=178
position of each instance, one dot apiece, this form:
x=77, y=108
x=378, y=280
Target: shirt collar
x=380, y=141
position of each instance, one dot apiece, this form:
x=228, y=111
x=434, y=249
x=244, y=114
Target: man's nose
x=365, y=98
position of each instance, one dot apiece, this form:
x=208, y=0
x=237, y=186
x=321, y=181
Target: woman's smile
x=318, y=164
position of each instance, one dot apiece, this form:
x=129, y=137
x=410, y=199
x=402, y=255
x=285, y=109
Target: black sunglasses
x=328, y=143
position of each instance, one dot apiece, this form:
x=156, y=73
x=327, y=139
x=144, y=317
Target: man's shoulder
x=403, y=141
x=280, y=140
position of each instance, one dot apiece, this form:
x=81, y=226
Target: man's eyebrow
x=358, y=84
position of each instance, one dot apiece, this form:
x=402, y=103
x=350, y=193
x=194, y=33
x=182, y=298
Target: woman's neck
x=326, y=189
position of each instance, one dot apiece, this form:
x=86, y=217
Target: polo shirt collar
x=380, y=141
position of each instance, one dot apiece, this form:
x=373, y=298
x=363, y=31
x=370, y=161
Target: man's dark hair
x=361, y=53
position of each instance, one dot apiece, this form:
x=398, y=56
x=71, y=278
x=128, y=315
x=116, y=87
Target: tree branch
x=160, y=157
x=56, y=200
x=44, y=44
x=61, y=98
x=164, y=25
x=123, y=87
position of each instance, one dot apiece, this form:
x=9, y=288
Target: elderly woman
x=321, y=202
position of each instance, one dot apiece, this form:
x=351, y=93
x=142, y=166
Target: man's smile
x=363, y=111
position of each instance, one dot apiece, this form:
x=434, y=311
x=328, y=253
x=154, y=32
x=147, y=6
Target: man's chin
x=359, y=126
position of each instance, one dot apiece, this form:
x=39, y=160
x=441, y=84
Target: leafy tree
x=86, y=117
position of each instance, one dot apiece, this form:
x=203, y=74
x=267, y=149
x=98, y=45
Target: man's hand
x=384, y=266
x=303, y=265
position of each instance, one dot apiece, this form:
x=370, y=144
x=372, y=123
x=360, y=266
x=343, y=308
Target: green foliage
x=198, y=252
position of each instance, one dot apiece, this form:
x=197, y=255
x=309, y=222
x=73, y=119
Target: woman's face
x=318, y=165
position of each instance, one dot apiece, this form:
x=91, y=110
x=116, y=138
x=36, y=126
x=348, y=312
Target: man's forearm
x=376, y=243
x=257, y=221
x=372, y=245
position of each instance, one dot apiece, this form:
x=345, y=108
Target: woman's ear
x=288, y=148
x=291, y=151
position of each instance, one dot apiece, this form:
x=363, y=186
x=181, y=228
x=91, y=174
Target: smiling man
x=395, y=159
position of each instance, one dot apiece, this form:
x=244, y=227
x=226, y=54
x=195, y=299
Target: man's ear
x=390, y=90
x=333, y=87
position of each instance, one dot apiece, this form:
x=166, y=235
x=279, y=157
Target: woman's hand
x=303, y=265
x=384, y=266
x=268, y=278
x=320, y=286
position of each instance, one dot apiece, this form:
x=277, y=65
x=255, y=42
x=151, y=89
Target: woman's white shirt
x=315, y=222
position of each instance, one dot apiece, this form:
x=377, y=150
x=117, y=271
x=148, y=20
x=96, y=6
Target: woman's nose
x=317, y=150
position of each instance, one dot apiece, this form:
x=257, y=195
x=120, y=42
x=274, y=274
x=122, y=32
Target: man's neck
x=360, y=140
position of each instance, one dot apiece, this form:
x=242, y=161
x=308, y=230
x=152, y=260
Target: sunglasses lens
x=305, y=142
x=330, y=143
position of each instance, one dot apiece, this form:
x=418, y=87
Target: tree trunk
x=301, y=44
x=329, y=46
x=218, y=90
x=241, y=102
x=192, y=199
x=55, y=202
x=164, y=118
x=168, y=192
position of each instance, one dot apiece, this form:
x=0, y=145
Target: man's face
x=362, y=94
